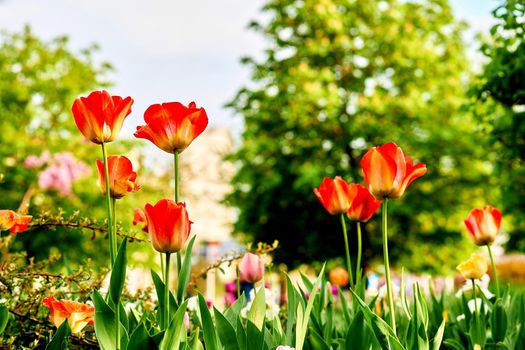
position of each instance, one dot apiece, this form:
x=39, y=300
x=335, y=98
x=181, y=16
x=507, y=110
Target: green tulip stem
x=238, y=281
x=176, y=167
x=348, y=261
x=167, y=291
x=387, y=265
x=474, y=295
x=114, y=216
x=117, y=325
x=359, y=252
x=494, y=275
x=112, y=240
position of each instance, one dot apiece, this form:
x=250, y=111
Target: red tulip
x=251, y=268
x=99, y=116
x=168, y=225
x=121, y=176
x=363, y=204
x=334, y=195
x=172, y=126
x=78, y=315
x=16, y=223
x=483, y=224
x=140, y=217
x=388, y=171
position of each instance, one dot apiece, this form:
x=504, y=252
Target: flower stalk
x=359, y=252
x=347, y=250
x=112, y=238
x=167, y=290
x=387, y=265
x=495, y=276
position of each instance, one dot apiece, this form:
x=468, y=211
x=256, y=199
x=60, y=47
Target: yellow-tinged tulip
x=475, y=267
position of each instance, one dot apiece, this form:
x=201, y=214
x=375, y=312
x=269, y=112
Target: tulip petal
x=379, y=172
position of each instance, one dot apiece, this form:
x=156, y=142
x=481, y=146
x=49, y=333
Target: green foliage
x=337, y=78
x=499, y=104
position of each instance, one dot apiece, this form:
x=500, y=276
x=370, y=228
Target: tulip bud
x=483, y=224
x=338, y=277
x=473, y=268
x=121, y=176
x=334, y=195
x=251, y=268
x=168, y=225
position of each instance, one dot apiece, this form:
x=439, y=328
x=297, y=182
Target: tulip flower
x=473, y=268
x=100, y=116
x=140, y=217
x=334, y=195
x=251, y=268
x=14, y=222
x=338, y=277
x=362, y=203
x=121, y=176
x=78, y=315
x=483, y=224
x=168, y=225
x=172, y=126
x=388, y=171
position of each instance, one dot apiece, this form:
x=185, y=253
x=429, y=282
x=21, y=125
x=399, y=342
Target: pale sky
x=171, y=50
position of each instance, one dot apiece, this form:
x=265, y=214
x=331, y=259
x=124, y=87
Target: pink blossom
x=62, y=172
x=33, y=161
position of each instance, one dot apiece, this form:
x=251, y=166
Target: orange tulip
x=172, y=126
x=100, y=116
x=363, y=204
x=168, y=225
x=121, y=176
x=78, y=315
x=334, y=195
x=251, y=268
x=388, y=171
x=483, y=224
x=338, y=277
x=16, y=223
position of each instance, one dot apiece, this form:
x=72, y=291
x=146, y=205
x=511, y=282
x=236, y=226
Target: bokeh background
x=295, y=91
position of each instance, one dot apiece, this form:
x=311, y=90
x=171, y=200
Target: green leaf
x=140, y=339
x=59, y=340
x=453, y=344
x=302, y=319
x=159, y=287
x=4, y=317
x=185, y=269
x=436, y=343
x=226, y=331
x=176, y=330
x=233, y=311
x=358, y=336
x=499, y=322
x=118, y=273
x=382, y=330
x=317, y=341
x=477, y=330
x=241, y=335
x=104, y=323
x=208, y=328
x=255, y=338
x=293, y=295
x=257, y=311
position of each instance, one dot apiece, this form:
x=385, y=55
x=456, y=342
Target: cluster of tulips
x=311, y=318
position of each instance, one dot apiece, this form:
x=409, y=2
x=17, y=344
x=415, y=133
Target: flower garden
x=377, y=186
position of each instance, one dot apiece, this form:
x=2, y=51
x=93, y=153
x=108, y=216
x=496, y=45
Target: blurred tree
x=337, y=78
x=500, y=106
x=38, y=82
